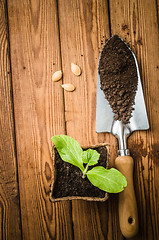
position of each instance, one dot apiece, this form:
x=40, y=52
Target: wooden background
x=36, y=39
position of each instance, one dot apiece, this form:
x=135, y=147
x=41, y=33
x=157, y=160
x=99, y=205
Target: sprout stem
x=85, y=171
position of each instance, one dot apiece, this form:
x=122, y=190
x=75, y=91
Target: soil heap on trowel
x=118, y=77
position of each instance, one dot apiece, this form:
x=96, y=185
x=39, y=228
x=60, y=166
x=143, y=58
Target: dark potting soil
x=118, y=77
x=69, y=181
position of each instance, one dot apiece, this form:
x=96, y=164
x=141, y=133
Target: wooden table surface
x=38, y=38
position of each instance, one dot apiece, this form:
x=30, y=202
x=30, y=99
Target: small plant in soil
x=108, y=180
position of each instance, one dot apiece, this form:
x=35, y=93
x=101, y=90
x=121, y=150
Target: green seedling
x=108, y=180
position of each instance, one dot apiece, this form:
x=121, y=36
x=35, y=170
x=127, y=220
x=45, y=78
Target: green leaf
x=111, y=180
x=69, y=149
x=90, y=156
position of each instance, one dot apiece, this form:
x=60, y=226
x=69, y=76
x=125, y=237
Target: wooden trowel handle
x=128, y=215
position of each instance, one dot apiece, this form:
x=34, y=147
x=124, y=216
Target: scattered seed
x=57, y=76
x=75, y=69
x=68, y=87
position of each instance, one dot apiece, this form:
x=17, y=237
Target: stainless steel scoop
x=105, y=122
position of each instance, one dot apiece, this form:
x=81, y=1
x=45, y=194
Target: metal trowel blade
x=105, y=115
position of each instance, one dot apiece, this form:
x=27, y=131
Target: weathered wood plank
x=84, y=26
x=39, y=114
x=10, y=225
x=136, y=22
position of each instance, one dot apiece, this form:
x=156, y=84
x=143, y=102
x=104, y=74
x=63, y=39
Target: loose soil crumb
x=69, y=181
x=124, y=27
x=118, y=77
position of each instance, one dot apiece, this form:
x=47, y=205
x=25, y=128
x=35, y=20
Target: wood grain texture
x=10, y=225
x=136, y=22
x=84, y=26
x=39, y=114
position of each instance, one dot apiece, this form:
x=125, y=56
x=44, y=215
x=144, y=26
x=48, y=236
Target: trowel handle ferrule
x=123, y=152
x=128, y=215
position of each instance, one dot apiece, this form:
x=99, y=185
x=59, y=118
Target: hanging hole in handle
x=131, y=220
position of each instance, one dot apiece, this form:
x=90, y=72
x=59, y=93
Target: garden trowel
x=105, y=122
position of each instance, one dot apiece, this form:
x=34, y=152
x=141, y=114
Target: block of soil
x=118, y=76
x=68, y=183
